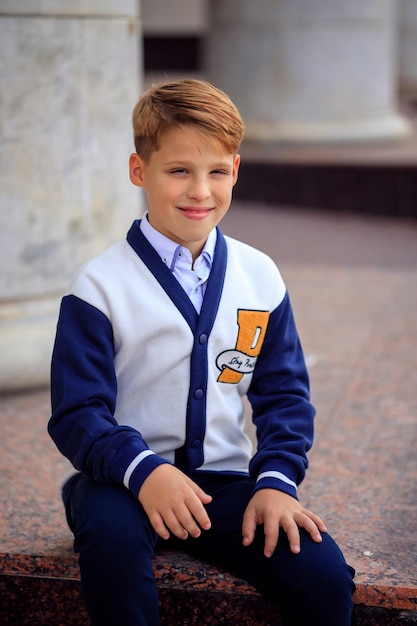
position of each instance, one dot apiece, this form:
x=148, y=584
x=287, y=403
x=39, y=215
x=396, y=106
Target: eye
x=220, y=172
x=178, y=170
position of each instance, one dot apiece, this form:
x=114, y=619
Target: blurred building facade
x=71, y=71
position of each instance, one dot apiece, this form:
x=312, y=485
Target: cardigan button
x=203, y=338
x=198, y=394
x=196, y=443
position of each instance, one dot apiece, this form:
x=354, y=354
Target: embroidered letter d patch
x=251, y=334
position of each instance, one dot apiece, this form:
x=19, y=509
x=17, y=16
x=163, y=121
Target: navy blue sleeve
x=282, y=412
x=83, y=395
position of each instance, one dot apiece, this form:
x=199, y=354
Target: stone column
x=70, y=76
x=303, y=71
x=407, y=43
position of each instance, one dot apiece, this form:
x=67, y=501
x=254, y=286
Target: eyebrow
x=216, y=165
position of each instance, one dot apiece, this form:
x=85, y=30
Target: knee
x=320, y=585
x=325, y=570
x=109, y=520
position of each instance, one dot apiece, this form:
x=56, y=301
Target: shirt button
x=203, y=338
x=198, y=394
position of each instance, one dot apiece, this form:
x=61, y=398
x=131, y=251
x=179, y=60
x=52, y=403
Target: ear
x=136, y=166
x=235, y=171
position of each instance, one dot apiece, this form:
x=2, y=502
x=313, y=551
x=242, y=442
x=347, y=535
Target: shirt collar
x=169, y=250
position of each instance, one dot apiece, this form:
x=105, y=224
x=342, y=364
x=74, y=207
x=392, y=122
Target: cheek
x=170, y=189
x=222, y=188
x=226, y=193
x=163, y=193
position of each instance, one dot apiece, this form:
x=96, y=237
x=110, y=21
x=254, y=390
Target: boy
x=157, y=343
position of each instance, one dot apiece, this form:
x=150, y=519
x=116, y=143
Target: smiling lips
x=195, y=213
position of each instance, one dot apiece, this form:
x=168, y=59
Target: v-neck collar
x=197, y=323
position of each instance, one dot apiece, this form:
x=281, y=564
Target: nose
x=198, y=189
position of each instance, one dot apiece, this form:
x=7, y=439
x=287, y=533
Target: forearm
x=282, y=412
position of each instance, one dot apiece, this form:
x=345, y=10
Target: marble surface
x=353, y=283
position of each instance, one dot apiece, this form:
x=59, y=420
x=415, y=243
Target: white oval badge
x=236, y=361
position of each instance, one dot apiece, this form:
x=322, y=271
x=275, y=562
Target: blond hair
x=185, y=102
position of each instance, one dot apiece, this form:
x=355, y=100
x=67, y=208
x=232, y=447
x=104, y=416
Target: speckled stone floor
x=353, y=283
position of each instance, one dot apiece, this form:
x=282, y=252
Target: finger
x=271, y=530
x=310, y=526
x=248, y=527
x=293, y=534
x=187, y=516
x=204, y=497
x=317, y=520
x=172, y=522
x=199, y=514
x=193, y=516
x=159, y=526
x=188, y=523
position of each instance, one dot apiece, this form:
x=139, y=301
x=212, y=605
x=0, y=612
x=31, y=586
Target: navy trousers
x=116, y=544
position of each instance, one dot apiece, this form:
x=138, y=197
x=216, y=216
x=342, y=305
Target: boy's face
x=188, y=184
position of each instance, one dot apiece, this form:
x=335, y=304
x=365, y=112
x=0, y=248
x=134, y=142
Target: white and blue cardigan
x=139, y=378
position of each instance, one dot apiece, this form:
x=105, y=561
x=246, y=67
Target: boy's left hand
x=275, y=509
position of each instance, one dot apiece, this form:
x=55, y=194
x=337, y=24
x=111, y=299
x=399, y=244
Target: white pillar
x=175, y=17
x=69, y=73
x=303, y=70
x=407, y=43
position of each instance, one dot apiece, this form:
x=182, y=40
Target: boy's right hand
x=173, y=502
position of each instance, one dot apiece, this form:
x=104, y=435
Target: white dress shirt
x=192, y=277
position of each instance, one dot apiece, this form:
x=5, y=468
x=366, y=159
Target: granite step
x=191, y=593
x=39, y=577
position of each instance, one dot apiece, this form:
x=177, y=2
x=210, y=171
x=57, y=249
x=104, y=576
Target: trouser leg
x=116, y=545
x=313, y=587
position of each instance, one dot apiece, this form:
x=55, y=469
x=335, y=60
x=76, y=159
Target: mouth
x=195, y=213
